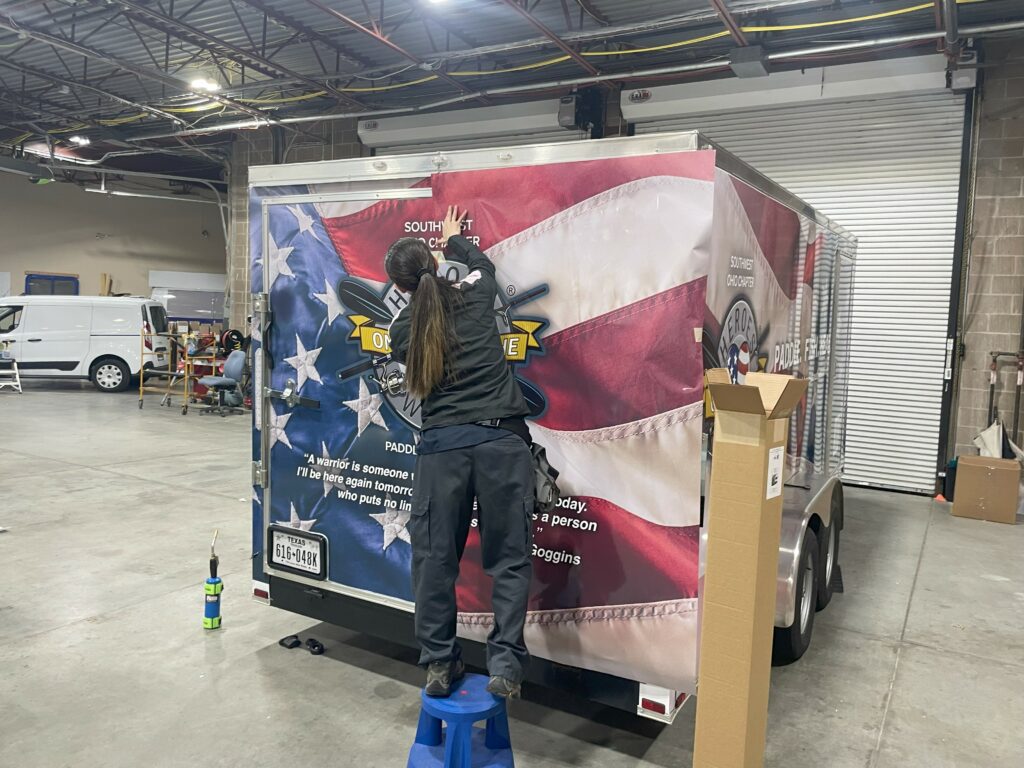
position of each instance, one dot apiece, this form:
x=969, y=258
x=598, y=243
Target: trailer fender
x=794, y=523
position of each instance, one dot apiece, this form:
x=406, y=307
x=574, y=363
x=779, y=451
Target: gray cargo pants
x=499, y=474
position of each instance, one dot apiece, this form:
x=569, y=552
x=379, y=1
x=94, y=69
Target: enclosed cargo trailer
x=628, y=268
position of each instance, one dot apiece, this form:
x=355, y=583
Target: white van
x=85, y=337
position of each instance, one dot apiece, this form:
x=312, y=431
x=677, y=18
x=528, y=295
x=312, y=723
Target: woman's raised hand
x=452, y=224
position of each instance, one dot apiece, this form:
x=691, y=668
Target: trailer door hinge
x=261, y=310
x=291, y=396
x=261, y=303
x=259, y=474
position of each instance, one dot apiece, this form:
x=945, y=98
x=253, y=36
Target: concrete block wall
x=996, y=269
x=339, y=141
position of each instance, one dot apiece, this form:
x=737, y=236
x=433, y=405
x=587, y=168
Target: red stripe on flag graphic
x=550, y=189
x=361, y=239
x=625, y=365
x=610, y=544
x=777, y=229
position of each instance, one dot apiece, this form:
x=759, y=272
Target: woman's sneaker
x=442, y=675
x=503, y=687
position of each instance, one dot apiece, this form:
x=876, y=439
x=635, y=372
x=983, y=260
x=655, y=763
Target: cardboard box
x=738, y=612
x=987, y=489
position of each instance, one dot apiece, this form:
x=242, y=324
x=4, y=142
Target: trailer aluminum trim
x=421, y=165
x=348, y=197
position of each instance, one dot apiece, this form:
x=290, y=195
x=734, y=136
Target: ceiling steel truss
x=289, y=62
x=143, y=73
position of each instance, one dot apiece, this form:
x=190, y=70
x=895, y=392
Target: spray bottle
x=213, y=587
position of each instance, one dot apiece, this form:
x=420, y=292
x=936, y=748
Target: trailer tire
x=829, y=557
x=790, y=643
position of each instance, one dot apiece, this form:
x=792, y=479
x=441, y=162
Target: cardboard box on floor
x=744, y=520
x=987, y=489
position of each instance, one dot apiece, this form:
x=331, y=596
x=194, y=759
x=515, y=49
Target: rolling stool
x=459, y=744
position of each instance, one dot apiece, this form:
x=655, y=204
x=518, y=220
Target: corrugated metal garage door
x=888, y=169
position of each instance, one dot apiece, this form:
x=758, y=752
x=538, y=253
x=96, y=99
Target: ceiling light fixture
x=82, y=141
x=204, y=85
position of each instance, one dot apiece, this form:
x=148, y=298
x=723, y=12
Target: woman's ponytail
x=432, y=333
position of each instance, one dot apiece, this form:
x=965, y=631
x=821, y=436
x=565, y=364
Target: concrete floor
x=103, y=663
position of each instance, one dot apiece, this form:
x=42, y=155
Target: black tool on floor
x=314, y=646
x=292, y=641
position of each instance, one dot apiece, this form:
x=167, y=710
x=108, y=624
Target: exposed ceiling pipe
x=308, y=32
x=76, y=85
x=972, y=31
x=388, y=43
x=729, y=21
x=6, y=22
x=548, y=33
x=694, y=18
x=654, y=25
x=221, y=206
x=25, y=168
x=197, y=37
x=951, y=22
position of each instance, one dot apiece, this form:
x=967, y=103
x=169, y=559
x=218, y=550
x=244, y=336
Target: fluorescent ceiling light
x=202, y=84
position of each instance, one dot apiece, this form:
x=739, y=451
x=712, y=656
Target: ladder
x=9, y=375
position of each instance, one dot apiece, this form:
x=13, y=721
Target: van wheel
x=111, y=375
x=829, y=557
x=790, y=643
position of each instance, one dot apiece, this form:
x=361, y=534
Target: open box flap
x=780, y=394
x=736, y=398
x=718, y=376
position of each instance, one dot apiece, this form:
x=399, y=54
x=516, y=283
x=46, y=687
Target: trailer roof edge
x=421, y=165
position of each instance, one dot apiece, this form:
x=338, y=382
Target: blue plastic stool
x=460, y=744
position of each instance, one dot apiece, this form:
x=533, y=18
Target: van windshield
x=158, y=317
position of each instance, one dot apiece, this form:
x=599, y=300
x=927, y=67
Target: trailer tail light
x=658, y=703
x=652, y=706
x=261, y=592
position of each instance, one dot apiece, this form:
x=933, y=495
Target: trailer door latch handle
x=291, y=396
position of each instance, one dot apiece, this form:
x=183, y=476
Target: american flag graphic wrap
x=613, y=258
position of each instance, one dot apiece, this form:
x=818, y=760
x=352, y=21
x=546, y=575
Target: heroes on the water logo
x=371, y=314
x=737, y=344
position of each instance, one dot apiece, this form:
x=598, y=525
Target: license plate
x=297, y=551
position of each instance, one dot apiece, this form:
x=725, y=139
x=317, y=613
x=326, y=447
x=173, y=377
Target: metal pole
x=1016, y=397
x=992, y=377
x=951, y=22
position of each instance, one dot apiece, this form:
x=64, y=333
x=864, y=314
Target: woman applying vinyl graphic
x=474, y=444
